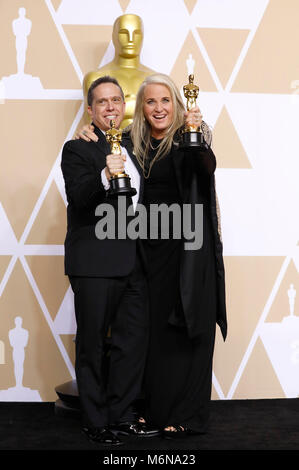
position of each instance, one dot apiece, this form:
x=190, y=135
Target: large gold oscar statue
x=125, y=67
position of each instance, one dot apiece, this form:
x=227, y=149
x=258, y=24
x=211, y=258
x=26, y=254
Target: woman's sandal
x=178, y=431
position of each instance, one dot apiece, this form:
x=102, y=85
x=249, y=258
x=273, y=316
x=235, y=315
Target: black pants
x=122, y=304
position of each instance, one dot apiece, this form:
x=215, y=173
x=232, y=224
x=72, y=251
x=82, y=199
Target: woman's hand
x=114, y=164
x=87, y=133
x=193, y=118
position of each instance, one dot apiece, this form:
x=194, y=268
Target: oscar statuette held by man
x=119, y=183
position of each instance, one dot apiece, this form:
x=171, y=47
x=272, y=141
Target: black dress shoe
x=145, y=430
x=135, y=429
x=102, y=436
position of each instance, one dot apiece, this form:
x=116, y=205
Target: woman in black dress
x=186, y=285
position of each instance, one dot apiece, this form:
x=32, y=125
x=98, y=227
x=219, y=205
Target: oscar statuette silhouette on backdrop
x=21, y=85
x=127, y=39
x=18, y=340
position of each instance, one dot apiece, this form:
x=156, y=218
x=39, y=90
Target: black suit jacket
x=86, y=255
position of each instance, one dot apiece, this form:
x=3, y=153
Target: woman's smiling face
x=158, y=109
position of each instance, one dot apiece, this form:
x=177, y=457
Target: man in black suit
x=106, y=276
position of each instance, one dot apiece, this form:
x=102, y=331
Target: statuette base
x=191, y=139
x=120, y=185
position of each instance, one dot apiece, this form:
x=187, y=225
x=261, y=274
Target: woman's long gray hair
x=140, y=129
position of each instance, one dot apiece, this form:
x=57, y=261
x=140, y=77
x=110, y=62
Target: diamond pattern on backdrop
x=89, y=43
x=274, y=61
x=227, y=144
x=223, y=47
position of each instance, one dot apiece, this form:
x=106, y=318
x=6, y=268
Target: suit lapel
x=102, y=143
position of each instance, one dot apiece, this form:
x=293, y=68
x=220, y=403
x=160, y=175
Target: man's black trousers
x=122, y=305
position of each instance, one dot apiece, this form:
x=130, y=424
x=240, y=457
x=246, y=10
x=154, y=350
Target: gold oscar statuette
x=127, y=38
x=191, y=136
x=119, y=183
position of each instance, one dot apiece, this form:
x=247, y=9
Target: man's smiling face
x=107, y=104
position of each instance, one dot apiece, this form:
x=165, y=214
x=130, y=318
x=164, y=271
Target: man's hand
x=114, y=164
x=87, y=133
